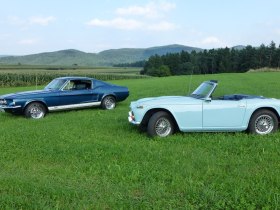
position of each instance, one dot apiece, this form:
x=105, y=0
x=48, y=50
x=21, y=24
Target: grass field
x=94, y=159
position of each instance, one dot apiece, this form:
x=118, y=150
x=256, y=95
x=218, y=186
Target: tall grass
x=29, y=79
x=94, y=159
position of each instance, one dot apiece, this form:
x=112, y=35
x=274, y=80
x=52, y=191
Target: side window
x=70, y=85
x=78, y=85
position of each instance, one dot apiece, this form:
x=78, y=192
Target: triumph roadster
x=64, y=93
x=161, y=116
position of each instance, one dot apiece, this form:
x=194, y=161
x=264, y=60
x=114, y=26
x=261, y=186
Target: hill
x=104, y=58
x=239, y=47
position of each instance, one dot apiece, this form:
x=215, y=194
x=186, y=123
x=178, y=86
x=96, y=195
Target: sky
x=35, y=26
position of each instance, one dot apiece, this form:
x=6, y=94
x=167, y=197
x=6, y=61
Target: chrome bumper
x=131, y=118
x=3, y=107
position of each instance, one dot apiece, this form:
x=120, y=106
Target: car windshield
x=203, y=90
x=56, y=84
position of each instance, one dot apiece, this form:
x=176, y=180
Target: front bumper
x=131, y=118
x=11, y=109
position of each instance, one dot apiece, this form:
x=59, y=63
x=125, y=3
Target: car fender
x=251, y=110
x=152, y=109
x=108, y=94
x=35, y=100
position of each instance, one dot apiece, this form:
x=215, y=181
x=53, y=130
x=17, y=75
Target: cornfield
x=30, y=79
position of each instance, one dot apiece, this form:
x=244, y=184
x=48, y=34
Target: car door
x=77, y=92
x=223, y=114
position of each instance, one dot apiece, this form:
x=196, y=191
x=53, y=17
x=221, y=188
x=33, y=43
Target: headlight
x=3, y=102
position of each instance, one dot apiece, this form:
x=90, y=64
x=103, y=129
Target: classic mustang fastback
x=199, y=111
x=64, y=93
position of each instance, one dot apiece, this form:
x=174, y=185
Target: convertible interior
x=237, y=97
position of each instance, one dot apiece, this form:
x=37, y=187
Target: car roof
x=78, y=78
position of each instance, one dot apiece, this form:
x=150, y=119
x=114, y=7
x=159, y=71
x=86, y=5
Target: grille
x=3, y=102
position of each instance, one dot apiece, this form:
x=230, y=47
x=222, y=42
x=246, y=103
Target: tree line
x=134, y=64
x=223, y=60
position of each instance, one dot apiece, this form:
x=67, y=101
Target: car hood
x=26, y=94
x=164, y=100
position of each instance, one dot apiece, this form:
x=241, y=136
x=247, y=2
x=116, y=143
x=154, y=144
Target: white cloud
x=167, y=6
x=25, y=23
x=43, y=21
x=148, y=17
x=210, y=40
x=151, y=10
x=132, y=24
x=119, y=23
x=28, y=41
x=161, y=26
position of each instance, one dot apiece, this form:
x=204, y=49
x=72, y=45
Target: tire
x=142, y=128
x=263, y=122
x=109, y=102
x=35, y=110
x=160, y=124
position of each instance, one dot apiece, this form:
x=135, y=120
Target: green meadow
x=94, y=159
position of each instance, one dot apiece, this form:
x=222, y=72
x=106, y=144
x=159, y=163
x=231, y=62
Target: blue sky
x=34, y=26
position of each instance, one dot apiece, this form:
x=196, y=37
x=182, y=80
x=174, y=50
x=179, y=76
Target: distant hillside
x=104, y=58
x=239, y=47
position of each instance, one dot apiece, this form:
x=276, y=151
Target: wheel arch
x=36, y=101
x=264, y=108
x=149, y=114
x=108, y=94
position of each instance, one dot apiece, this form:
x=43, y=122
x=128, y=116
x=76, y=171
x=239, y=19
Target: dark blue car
x=64, y=93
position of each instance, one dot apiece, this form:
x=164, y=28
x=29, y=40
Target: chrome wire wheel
x=109, y=102
x=163, y=127
x=160, y=124
x=36, y=112
x=264, y=124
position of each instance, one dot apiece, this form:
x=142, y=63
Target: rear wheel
x=160, y=124
x=109, y=102
x=35, y=110
x=263, y=122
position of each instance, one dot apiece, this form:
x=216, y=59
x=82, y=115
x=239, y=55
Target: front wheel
x=109, y=102
x=263, y=122
x=35, y=111
x=160, y=124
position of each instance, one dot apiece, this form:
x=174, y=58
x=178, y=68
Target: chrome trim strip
x=9, y=107
x=73, y=106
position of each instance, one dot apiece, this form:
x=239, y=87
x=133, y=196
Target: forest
x=222, y=60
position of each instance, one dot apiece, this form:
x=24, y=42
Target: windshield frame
x=56, y=84
x=204, y=90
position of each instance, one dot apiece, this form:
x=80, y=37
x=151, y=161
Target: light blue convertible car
x=161, y=116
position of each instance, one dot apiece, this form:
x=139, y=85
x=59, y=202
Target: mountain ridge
x=104, y=58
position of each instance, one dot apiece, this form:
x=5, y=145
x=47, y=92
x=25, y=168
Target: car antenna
x=190, y=82
x=36, y=82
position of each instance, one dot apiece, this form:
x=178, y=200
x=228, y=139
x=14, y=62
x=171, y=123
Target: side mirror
x=208, y=99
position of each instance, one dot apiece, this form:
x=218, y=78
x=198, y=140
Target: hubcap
x=110, y=103
x=163, y=127
x=264, y=124
x=36, y=112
